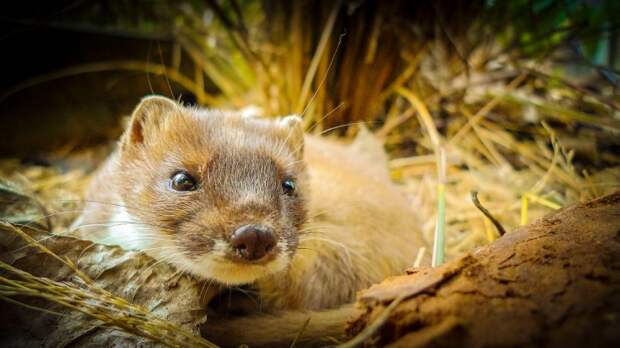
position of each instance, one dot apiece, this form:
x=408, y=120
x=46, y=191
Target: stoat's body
x=243, y=200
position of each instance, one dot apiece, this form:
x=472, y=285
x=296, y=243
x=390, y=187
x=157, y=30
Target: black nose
x=253, y=242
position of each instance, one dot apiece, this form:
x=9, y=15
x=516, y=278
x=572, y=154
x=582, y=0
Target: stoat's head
x=218, y=194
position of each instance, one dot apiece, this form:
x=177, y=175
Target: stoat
x=245, y=200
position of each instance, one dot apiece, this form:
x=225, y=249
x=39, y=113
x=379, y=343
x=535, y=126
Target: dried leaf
x=87, y=294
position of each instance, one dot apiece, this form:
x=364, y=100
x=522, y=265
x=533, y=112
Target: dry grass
x=83, y=295
x=499, y=135
x=477, y=102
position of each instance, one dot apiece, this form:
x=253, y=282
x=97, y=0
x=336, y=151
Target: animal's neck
x=318, y=277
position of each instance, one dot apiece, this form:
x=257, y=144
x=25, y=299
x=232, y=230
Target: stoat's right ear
x=146, y=119
x=293, y=127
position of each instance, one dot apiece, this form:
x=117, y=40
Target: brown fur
x=345, y=228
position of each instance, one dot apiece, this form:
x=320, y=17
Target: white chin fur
x=230, y=273
x=127, y=232
x=215, y=266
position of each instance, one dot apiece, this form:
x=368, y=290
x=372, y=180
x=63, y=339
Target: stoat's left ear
x=147, y=119
x=294, y=133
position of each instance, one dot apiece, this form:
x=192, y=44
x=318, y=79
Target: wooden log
x=554, y=283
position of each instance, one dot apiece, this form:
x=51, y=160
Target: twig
x=500, y=228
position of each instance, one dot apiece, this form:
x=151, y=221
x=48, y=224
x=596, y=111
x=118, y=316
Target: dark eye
x=182, y=181
x=288, y=185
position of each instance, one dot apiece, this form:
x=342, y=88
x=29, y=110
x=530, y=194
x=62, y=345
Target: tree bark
x=554, y=283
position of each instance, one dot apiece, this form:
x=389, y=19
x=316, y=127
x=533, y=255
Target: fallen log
x=554, y=283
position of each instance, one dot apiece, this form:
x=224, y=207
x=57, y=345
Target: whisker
x=103, y=241
x=344, y=125
x=329, y=66
x=326, y=115
x=159, y=248
x=248, y=294
x=128, y=207
x=204, y=283
x=165, y=259
x=347, y=250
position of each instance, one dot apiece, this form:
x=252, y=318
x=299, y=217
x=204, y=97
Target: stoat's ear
x=294, y=132
x=251, y=111
x=146, y=119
